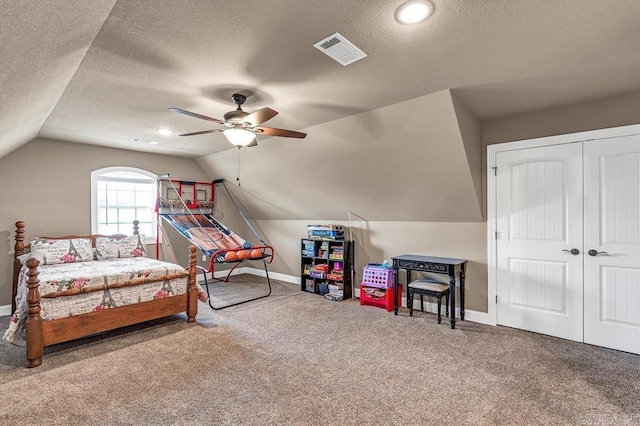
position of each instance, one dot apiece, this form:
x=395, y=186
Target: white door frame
x=492, y=150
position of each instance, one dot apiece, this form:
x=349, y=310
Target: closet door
x=539, y=240
x=612, y=243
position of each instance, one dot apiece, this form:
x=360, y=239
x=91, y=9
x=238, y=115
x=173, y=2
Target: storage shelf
x=330, y=250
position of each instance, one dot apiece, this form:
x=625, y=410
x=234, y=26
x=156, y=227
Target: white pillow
x=51, y=252
x=113, y=248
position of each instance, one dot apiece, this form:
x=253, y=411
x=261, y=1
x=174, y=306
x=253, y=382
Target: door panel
x=619, y=296
x=612, y=228
x=539, y=214
x=538, y=285
x=537, y=204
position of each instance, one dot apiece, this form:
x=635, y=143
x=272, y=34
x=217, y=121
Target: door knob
x=574, y=251
x=593, y=252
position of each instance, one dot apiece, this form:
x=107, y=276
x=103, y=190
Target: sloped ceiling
x=501, y=58
x=42, y=44
x=364, y=164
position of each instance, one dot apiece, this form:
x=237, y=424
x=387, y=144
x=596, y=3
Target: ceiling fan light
x=239, y=137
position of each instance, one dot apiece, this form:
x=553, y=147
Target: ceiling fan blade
x=272, y=131
x=193, y=114
x=202, y=132
x=259, y=116
x=254, y=142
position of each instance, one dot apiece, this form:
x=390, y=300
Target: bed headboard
x=20, y=247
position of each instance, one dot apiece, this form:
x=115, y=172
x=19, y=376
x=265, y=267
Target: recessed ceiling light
x=165, y=132
x=414, y=11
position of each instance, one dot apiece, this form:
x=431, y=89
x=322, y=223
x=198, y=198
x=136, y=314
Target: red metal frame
x=193, y=205
x=184, y=183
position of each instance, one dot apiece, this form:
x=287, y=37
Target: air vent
x=340, y=49
x=141, y=140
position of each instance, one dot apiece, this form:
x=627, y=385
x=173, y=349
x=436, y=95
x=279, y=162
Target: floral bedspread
x=97, y=274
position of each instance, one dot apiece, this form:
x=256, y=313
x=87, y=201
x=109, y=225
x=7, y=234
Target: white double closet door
x=568, y=241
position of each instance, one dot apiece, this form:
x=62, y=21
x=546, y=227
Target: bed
x=69, y=287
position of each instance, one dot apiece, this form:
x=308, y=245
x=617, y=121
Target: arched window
x=119, y=195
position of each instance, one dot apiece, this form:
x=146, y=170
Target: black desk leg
x=452, y=298
x=406, y=286
x=462, y=294
x=395, y=291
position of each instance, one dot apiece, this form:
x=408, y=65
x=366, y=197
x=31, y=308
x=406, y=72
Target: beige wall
x=47, y=184
x=471, y=135
x=403, y=162
x=599, y=114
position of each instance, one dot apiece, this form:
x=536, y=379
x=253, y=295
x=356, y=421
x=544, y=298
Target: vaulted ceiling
x=104, y=71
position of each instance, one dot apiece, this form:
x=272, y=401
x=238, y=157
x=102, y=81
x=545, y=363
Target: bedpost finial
x=32, y=263
x=19, y=246
x=18, y=249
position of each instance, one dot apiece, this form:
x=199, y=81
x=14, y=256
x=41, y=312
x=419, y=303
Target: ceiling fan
x=240, y=127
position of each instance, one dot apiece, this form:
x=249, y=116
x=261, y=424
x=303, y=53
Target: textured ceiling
x=103, y=72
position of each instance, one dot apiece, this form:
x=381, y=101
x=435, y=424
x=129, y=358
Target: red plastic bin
x=385, y=302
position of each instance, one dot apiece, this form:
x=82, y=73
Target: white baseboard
x=432, y=307
x=477, y=316
x=274, y=275
x=5, y=310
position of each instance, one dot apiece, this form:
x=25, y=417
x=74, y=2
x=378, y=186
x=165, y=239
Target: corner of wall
x=471, y=134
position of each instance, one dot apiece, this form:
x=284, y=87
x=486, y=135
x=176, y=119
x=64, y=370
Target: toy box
x=376, y=276
x=382, y=298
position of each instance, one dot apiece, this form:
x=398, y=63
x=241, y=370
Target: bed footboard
x=44, y=333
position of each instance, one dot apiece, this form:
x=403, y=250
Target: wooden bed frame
x=44, y=333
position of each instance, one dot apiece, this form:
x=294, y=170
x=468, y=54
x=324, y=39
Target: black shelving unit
x=334, y=256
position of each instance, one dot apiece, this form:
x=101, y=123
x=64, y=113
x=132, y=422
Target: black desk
x=439, y=265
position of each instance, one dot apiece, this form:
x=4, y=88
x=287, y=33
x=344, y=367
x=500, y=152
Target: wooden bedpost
x=18, y=250
x=35, y=341
x=135, y=227
x=192, y=290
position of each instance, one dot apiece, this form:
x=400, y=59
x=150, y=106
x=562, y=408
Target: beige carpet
x=237, y=290
x=295, y=358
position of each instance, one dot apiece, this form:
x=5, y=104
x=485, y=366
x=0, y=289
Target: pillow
x=51, y=252
x=24, y=257
x=113, y=248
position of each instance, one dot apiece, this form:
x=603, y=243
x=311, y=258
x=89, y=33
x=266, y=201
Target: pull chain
x=238, y=166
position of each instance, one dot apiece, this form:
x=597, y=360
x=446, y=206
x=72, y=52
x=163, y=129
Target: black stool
x=429, y=288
